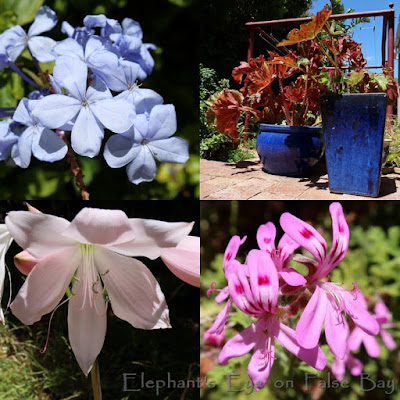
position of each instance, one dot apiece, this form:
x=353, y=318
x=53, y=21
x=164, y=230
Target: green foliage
x=393, y=132
x=210, y=84
x=24, y=10
x=224, y=36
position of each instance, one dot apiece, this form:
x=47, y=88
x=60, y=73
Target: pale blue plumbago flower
x=108, y=25
x=143, y=99
x=8, y=140
x=44, y=143
x=5, y=242
x=150, y=137
x=95, y=54
x=90, y=109
x=16, y=39
x=130, y=46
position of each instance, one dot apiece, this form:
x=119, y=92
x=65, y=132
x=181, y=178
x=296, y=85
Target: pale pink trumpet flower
x=94, y=253
x=5, y=243
x=184, y=260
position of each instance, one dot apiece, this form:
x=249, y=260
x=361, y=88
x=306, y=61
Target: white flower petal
x=184, y=260
x=87, y=324
x=153, y=237
x=39, y=234
x=45, y=286
x=135, y=294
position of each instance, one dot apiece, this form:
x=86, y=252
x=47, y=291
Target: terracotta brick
x=271, y=196
x=247, y=180
x=237, y=192
x=315, y=194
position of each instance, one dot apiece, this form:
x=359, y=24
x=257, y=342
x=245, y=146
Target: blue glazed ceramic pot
x=354, y=126
x=289, y=150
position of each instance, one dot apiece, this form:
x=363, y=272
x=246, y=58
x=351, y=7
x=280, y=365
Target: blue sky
x=370, y=39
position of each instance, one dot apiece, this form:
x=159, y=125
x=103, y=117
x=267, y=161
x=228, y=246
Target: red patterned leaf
x=227, y=110
x=308, y=31
x=259, y=74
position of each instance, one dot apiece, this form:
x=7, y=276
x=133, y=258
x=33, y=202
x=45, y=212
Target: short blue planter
x=289, y=150
x=354, y=126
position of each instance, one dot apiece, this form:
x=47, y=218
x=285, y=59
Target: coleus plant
x=286, y=89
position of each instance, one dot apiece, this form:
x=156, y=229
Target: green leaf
x=7, y=20
x=25, y=10
x=34, y=77
x=181, y=3
x=11, y=89
x=381, y=79
x=44, y=185
x=355, y=78
x=90, y=168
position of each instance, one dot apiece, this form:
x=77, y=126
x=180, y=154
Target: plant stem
x=22, y=75
x=35, y=62
x=75, y=168
x=96, y=384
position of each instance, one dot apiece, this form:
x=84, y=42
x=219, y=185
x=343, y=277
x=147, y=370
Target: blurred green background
x=373, y=261
x=169, y=24
x=26, y=374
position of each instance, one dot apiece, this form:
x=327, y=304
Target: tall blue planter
x=289, y=150
x=354, y=126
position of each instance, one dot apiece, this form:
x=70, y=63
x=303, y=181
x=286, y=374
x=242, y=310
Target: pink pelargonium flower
x=329, y=300
x=229, y=256
x=384, y=318
x=309, y=238
x=354, y=365
x=184, y=260
x=280, y=256
x=254, y=290
x=91, y=251
x=358, y=336
x=214, y=339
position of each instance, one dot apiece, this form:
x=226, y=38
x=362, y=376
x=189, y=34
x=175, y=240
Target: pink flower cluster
x=265, y=288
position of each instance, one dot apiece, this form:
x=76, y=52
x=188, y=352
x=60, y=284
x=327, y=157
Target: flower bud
x=24, y=261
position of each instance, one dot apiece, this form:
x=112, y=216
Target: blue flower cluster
x=94, y=86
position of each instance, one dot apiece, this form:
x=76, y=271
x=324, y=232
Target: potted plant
x=326, y=73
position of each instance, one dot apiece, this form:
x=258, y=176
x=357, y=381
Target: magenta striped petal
x=309, y=327
x=305, y=235
x=263, y=279
x=232, y=249
x=219, y=323
x=262, y=360
x=266, y=237
x=240, y=291
x=242, y=343
x=286, y=247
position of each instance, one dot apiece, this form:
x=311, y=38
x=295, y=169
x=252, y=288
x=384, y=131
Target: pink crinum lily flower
x=5, y=243
x=184, y=260
x=93, y=252
x=254, y=290
x=329, y=301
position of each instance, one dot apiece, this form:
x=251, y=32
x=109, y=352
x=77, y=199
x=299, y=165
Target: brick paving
x=247, y=181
